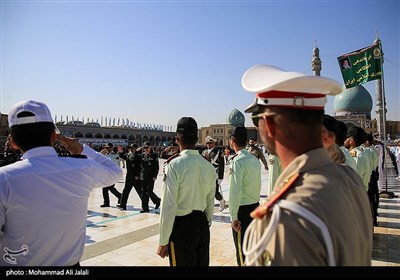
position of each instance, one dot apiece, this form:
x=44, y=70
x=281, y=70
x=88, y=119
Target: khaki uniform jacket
x=335, y=194
x=363, y=164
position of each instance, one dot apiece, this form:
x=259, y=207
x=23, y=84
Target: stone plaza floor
x=129, y=238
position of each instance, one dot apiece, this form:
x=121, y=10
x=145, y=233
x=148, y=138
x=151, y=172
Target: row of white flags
x=124, y=122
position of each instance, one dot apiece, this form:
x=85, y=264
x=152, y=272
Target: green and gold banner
x=361, y=66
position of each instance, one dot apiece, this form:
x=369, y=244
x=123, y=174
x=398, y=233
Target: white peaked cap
x=276, y=87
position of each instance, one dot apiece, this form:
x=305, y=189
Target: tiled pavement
x=129, y=238
x=386, y=249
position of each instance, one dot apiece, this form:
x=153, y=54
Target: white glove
x=219, y=181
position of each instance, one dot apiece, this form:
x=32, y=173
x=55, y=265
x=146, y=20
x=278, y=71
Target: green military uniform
x=363, y=164
x=258, y=153
x=349, y=159
x=187, y=208
x=244, y=194
x=338, y=200
x=373, y=191
x=372, y=156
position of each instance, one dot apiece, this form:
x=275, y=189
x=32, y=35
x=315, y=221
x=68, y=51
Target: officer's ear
x=14, y=145
x=269, y=125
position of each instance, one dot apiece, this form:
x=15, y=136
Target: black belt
x=249, y=206
x=193, y=213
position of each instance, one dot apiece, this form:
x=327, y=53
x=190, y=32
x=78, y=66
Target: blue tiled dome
x=352, y=101
x=235, y=118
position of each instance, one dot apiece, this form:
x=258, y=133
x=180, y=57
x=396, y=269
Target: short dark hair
x=239, y=140
x=297, y=116
x=239, y=135
x=188, y=140
x=341, y=133
x=330, y=124
x=187, y=126
x=357, y=133
x=32, y=135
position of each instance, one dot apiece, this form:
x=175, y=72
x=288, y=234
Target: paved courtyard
x=130, y=238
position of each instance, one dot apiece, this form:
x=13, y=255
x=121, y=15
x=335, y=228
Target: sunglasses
x=256, y=117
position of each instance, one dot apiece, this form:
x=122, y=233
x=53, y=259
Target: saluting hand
x=71, y=144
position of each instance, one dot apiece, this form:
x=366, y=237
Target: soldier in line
x=244, y=187
x=216, y=157
x=318, y=213
x=329, y=131
x=355, y=137
x=340, y=138
x=187, y=202
x=373, y=190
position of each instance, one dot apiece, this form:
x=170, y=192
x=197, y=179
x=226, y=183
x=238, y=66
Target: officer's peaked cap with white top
x=276, y=87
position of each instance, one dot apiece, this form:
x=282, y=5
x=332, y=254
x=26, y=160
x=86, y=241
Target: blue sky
x=156, y=61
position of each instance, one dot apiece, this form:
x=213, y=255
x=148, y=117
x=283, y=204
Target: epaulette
x=171, y=158
x=262, y=210
x=233, y=157
x=168, y=161
x=353, y=153
x=74, y=156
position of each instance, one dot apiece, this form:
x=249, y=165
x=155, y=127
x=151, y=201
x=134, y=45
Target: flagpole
x=385, y=193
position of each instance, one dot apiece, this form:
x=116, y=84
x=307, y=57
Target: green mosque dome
x=235, y=118
x=353, y=101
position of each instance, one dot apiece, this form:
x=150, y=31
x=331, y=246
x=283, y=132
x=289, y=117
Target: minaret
x=316, y=61
x=380, y=115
